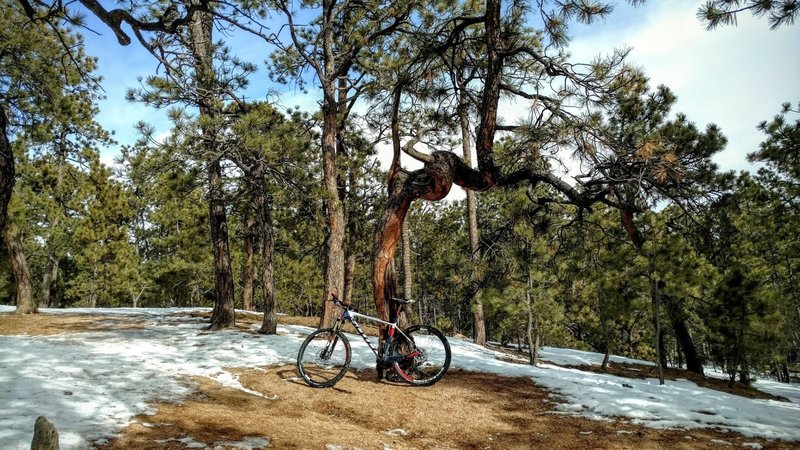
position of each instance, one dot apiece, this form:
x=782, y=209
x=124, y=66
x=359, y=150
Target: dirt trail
x=464, y=411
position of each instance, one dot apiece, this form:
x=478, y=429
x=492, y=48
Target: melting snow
x=91, y=385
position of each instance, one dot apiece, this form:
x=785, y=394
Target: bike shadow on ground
x=370, y=376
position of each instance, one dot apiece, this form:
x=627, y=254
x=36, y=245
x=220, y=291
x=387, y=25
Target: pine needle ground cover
x=154, y=379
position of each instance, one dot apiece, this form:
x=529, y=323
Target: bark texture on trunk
x=223, y=315
x=49, y=280
x=655, y=295
x=19, y=266
x=200, y=30
x=441, y=170
x=686, y=345
x=248, y=262
x=335, y=257
x=408, y=272
x=7, y=170
x=270, y=323
x=532, y=331
x=385, y=241
x=349, y=276
x=50, y=275
x=479, y=320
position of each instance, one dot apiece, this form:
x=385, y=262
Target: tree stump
x=45, y=436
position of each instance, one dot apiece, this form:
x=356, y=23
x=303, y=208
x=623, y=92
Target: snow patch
x=92, y=384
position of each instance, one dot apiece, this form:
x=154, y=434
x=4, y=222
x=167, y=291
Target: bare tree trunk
x=479, y=320
x=532, y=329
x=334, y=258
x=7, y=171
x=694, y=362
x=223, y=315
x=738, y=361
x=343, y=181
x=93, y=289
x=387, y=235
x=441, y=169
x=200, y=29
x=607, y=353
x=606, y=338
x=248, y=263
x=662, y=349
x=270, y=322
x=19, y=266
x=135, y=297
x=655, y=292
x=49, y=278
x=408, y=273
x=349, y=276
x=51, y=268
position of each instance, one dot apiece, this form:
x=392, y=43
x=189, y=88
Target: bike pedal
x=381, y=371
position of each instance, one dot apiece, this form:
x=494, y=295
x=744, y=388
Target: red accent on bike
x=391, y=332
x=405, y=377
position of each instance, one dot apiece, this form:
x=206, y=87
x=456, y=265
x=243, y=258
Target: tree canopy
x=644, y=248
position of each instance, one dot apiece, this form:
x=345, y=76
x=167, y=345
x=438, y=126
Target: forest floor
x=466, y=410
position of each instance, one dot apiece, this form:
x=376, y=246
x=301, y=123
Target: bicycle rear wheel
x=427, y=355
x=324, y=358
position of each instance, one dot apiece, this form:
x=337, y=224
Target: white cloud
x=733, y=76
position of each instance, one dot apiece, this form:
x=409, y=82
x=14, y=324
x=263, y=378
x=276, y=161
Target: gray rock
x=45, y=436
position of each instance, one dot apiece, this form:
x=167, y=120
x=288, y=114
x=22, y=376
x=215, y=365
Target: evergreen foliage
x=648, y=251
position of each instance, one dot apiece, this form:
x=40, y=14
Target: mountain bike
x=420, y=354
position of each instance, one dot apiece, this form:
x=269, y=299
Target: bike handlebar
x=405, y=301
x=337, y=302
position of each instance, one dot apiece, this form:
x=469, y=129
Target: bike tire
x=430, y=364
x=321, y=365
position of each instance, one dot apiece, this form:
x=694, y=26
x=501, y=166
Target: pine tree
x=725, y=12
x=170, y=227
x=273, y=154
x=48, y=109
x=107, y=262
x=203, y=74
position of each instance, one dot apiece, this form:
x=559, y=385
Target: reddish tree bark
x=441, y=170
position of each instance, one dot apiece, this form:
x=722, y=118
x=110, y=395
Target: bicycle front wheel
x=425, y=352
x=324, y=358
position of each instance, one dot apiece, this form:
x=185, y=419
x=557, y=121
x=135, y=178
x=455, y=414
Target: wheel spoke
x=324, y=358
x=427, y=355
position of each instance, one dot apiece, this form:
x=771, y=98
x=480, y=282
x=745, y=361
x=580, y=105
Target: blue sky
x=732, y=76
x=735, y=77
